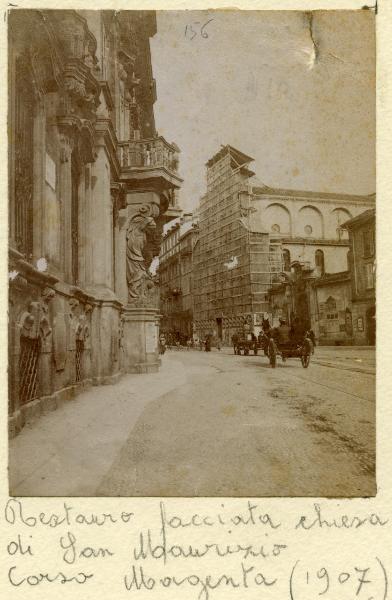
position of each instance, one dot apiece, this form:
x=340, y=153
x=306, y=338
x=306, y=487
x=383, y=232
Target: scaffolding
x=234, y=265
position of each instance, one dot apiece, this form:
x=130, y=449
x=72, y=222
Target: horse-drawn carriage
x=294, y=348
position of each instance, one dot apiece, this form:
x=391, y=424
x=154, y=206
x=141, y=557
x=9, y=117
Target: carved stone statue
x=139, y=279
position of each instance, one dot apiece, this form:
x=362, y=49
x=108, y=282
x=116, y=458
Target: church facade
x=91, y=185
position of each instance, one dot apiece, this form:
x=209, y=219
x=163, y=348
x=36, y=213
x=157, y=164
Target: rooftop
x=367, y=215
x=332, y=278
x=239, y=157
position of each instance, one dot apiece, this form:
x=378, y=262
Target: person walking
x=208, y=343
x=162, y=343
x=234, y=341
x=313, y=338
x=308, y=340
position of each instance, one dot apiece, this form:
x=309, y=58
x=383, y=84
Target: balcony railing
x=152, y=153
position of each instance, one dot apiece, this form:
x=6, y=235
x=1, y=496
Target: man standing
x=283, y=332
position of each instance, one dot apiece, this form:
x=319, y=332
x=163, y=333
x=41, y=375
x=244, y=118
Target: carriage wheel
x=305, y=360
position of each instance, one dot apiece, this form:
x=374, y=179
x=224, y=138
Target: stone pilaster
x=65, y=183
x=100, y=228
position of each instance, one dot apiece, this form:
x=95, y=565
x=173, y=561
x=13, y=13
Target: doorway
x=219, y=327
x=371, y=326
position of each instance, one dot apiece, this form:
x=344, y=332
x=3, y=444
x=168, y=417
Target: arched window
x=277, y=219
x=310, y=222
x=339, y=216
x=286, y=260
x=319, y=261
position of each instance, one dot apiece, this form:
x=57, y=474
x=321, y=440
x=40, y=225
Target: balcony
x=150, y=161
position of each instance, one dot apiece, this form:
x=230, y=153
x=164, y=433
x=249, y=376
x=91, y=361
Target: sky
x=254, y=79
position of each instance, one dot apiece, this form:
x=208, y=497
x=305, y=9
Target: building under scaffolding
x=235, y=261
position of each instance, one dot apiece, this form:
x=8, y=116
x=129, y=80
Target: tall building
x=176, y=277
x=234, y=259
x=91, y=185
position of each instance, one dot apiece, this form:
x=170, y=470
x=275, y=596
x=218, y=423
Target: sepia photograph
x=192, y=253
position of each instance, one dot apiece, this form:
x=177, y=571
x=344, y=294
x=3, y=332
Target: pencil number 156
x=196, y=29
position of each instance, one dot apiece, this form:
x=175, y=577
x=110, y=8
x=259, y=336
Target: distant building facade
x=362, y=261
x=176, y=277
x=340, y=306
x=91, y=185
x=234, y=259
x=315, y=247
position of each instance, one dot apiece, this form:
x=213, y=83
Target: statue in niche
x=139, y=280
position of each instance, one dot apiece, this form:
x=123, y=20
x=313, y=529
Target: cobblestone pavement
x=211, y=424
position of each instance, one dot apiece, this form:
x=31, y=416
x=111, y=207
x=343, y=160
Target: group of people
x=283, y=334
x=207, y=343
x=176, y=340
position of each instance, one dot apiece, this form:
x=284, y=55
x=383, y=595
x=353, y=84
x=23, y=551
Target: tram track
x=334, y=389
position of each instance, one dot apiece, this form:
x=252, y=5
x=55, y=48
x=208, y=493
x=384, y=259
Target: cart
x=245, y=345
x=293, y=349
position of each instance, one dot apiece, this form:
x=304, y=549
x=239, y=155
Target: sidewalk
x=46, y=452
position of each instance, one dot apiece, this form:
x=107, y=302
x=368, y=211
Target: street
x=211, y=424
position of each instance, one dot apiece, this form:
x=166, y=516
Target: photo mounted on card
x=192, y=254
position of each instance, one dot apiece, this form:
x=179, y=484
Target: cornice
x=105, y=135
x=312, y=242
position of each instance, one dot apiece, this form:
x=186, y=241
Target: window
x=286, y=260
x=369, y=276
x=319, y=261
x=332, y=316
x=308, y=229
x=349, y=260
x=330, y=304
x=368, y=243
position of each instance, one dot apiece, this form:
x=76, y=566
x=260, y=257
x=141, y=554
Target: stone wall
x=81, y=93
x=61, y=340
